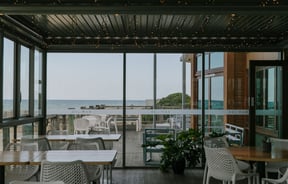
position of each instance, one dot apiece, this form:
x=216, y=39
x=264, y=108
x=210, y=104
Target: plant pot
x=178, y=166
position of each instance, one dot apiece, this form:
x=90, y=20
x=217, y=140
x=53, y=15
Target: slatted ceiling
x=115, y=21
x=203, y=30
x=279, y=23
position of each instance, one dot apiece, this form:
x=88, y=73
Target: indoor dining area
x=143, y=92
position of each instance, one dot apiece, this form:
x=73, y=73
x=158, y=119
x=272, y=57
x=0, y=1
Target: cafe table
x=258, y=156
x=89, y=157
x=69, y=138
x=15, y=158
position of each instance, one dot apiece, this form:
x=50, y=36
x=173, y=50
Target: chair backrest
x=20, y=172
x=221, y=163
x=43, y=142
x=216, y=142
x=69, y=172
x=277, y=143
x=36, y=182
x=112, y=122
x=82, y=146
x=21, y=147
x=98, y=140
x=81, y=125
x=57, y=132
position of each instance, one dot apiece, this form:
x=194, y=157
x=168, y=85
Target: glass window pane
x=139, y=75
x=217, y=99
x=38, y=83
x=172, y=83
x=217, y=92
x=8, y=78
x=24, y=81
x=199, y=62
x=217, y=59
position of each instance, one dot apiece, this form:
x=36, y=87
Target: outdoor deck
x=137, y=173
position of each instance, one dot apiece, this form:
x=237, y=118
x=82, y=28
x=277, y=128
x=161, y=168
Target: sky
x=94, y=76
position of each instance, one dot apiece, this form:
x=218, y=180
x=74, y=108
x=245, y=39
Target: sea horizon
x=58, y=104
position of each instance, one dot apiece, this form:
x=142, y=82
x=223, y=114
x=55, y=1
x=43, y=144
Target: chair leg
x=205, y=174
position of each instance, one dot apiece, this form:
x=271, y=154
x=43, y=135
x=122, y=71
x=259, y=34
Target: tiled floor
x=155, y=176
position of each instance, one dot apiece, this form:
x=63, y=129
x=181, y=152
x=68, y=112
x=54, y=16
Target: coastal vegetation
x=172, y=101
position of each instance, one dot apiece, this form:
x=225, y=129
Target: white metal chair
x=112, y=121
x=281, y=180
x=273, y=167
x=223, y=166
x=42, y=142
x=98, y=140
x=221, y=142
x=58, y=145
x=36, y=182
x=81, y=125
x=69, y=172
x=21, y=172
x=98, y=124
x=108, y=144
x=94, y=171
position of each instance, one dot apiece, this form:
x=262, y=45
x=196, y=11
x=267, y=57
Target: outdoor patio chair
x=98, y=124
x=21, y=172
x=42, y=142
x=280, y=180
x=273, y=167
x=81, y=126
x=98, y=140
x=221, y=142
x=94, y=171
x=107, y=144
x=58, y=145
x=36, y=182
x=223, y=166
x=112, y=122
x=69, y=172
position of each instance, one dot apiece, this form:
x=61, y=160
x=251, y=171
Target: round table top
x=257, y=154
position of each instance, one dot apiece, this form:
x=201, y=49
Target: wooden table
x=15, y=158
x=105, y=137
x=253, y=154
x=92, y=157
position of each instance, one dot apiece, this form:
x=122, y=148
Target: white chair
x=98, y=124
x=94, y=171
x=223, y=166
x=273, y=167
x=281, y=180
x=112, y=121
x=94, y=120
x=69, y=172
x=36, y=182
x=98, y=140
x=21, y=172
x=58, y=145
x=81, y=126
x=221, y=142
x=108, y=144
x=42, y=142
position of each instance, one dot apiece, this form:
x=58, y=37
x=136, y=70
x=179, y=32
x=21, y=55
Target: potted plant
x=184, y=150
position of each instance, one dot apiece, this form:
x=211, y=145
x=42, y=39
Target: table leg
x=110, y=166
x=2, y=174
x=260, y=168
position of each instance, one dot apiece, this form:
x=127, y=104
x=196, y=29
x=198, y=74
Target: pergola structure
x=148, y=25
x=136, y=26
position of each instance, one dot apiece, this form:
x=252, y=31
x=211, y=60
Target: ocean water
x=76, y=104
